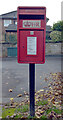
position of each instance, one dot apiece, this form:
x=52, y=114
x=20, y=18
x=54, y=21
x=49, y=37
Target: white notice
x=31, y=45
x=31, y=23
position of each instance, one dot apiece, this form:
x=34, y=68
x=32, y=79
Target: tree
x=56, y=36
x=58, y=26
x=12, y=39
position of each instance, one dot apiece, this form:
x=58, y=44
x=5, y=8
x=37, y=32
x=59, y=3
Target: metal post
x=32, y=89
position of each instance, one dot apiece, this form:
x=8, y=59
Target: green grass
x=45, y=102
x=35, y=118
x=11, y=111
x=30, y=117
x=23, y=108
x=6, y=112
x=18, y=116
x=48, y=111
x=55, y=110
x=43, y=117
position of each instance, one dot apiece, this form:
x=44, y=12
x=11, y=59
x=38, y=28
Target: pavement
x=16, y=76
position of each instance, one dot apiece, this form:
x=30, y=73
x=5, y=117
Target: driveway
x=16, y=76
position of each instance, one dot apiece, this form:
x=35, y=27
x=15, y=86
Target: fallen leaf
x=46, y=79
x=11, y=99
x=42, y=112
x=19, y=95
x=56, y=94
x=25, y=93
x=10, y=90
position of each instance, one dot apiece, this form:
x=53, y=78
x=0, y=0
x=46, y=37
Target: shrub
x=58, y=26
x=55, y=36
x=11, y=38
x=48, y=36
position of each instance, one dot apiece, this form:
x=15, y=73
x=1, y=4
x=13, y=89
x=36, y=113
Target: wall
x=51, y=49
x=4, y=49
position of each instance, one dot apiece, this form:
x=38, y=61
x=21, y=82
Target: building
x=6, y=20
x=8, y=29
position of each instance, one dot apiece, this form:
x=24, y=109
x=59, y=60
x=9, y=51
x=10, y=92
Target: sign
x=31, y=23
x=31, y=45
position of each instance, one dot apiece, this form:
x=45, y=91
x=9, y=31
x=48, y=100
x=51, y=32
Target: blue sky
x=53, y=7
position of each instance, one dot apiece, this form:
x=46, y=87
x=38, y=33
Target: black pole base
x=32, y=89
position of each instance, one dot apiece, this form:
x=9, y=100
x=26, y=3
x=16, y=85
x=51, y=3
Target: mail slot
x=31, y=29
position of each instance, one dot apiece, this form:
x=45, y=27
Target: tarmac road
x=16, y=76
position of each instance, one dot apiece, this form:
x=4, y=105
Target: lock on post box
x=31, y=29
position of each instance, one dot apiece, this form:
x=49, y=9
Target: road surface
x=16, y=76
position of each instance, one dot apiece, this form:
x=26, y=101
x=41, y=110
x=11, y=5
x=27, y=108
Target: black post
x=32, y=89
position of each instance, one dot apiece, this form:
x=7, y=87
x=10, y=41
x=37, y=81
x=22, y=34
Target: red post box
x=31, y=29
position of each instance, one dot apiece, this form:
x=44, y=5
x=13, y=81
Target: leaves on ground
x=10, y=90
x=47, y=101
x=20, y=95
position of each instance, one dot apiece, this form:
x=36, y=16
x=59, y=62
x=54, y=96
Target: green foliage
x=55, y=36
x=18, y=116
x=57, y=111
x=49, y=110
x=43, y=102
x=53, y=109
x=47, y=41
x=43, y=117
x=31, y=118
x=48, y=36
x=11, y=111
x=23, y=108
x=6, y=112
x=58, y=26
x=11, y=38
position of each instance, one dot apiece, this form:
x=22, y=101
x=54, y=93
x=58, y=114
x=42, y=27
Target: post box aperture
x=31, y=29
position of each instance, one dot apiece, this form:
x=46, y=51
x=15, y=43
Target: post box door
x=31, y=46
